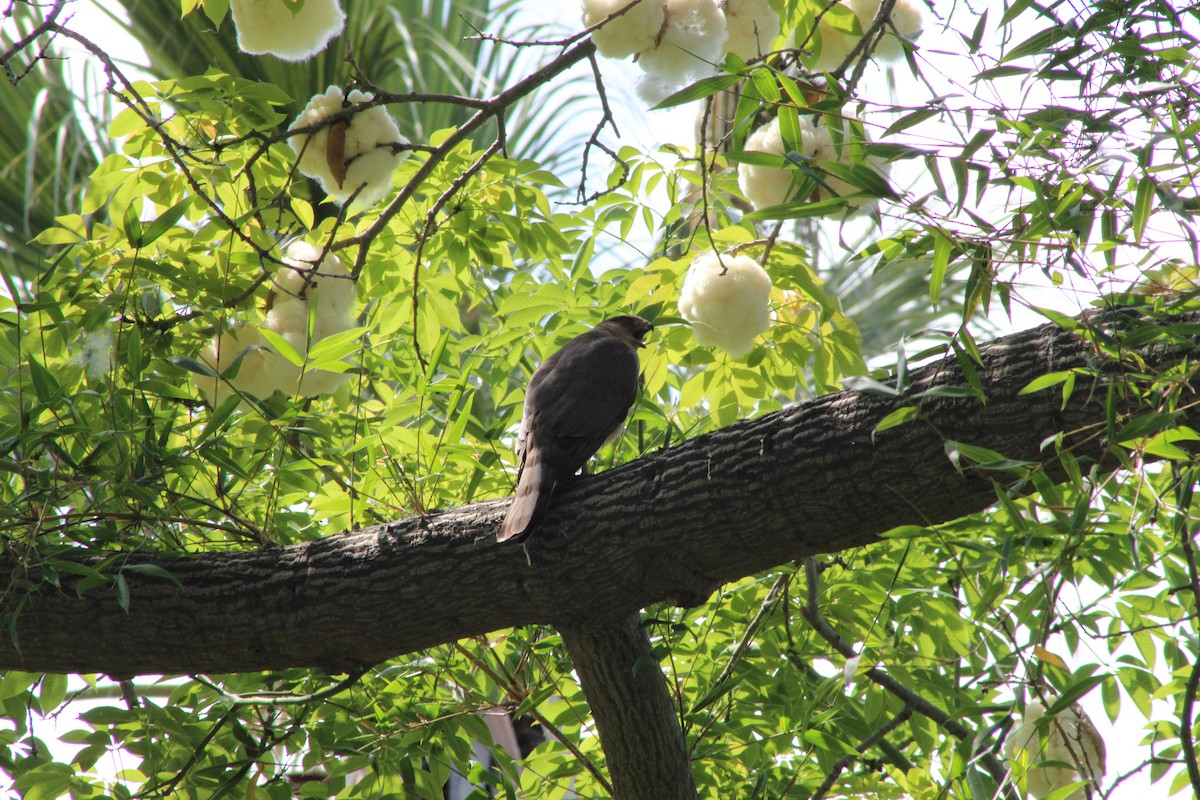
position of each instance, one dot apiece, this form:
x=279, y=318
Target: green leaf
x=282, y=346
x=949, y=391
x=154, y=571
x=1074, y=691
x=192, y=365
x=1037, y=44
x=45, y=781
x=861, y=383
x=1148, y=424
x=700, y=90
x=1044, y=382
x=1143, y=205
x=45, y=385
x=165, y=222
x=1014, y=10
x=16, y=682
x=897, y=417
x=220, y=417
x=53, y=691
x=941, y=260
x=122, y=588
x=132, y=225
x=907, y=532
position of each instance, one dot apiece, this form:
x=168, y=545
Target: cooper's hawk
x=576, y=401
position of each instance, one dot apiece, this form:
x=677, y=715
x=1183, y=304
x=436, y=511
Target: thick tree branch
x=671, y=526
x=639, y=731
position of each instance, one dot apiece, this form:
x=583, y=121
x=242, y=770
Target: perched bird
x=576, y=401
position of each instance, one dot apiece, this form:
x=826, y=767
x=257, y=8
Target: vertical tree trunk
x=639, y=730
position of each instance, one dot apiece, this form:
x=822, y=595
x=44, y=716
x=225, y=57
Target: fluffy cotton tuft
x=347, y=155
x=769, y=186
x=752, y=26
x=689, y=48
x=307, y=282
x=327, y=291
x=843, y=152
x=727, y=300
x=1069, y=737
x=907, y=18
x=269, y=26
x=255, y=371
x=630, y=33
x=97, y=354
x=834, y=49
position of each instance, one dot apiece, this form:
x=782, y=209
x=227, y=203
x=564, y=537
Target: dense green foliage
x=1056, y=150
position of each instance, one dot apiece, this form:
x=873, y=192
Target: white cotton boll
x=770, y=186
x=835, y=48
x=269, y=26
x=364, y=158
x=909, y=21
x=752, y=26
x=843, y=151
x=328, y=291
x=256, y=373
x=727, y=300
x=97, y=353
x=327, y=296
x=907, y=18
x=1070, y=738
x=373, y=172
x=630, y=33
x=689, y=49
x=310, y=147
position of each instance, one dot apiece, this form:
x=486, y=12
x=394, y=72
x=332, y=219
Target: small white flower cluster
x=349, y=156
x=270, y=26
x=679, y=41
x=907, y=20
x=770, y=186
x=727, y=299
x=306, y=285
x=1068, y=737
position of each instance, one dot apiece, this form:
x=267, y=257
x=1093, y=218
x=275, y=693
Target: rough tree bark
x=643, y=744
x=673, y=526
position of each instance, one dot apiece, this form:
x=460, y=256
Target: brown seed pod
x=335, y=151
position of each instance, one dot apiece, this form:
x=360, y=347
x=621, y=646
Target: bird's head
x=628, y=327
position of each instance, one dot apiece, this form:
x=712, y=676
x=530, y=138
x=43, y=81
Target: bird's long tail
x=534, y=488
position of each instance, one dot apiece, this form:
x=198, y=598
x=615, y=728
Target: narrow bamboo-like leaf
x=1142, y=203
x=941, y=260
x=898, y=417
x=1037, y=44
x=1077, y=689
x=1147, y=425
x=700, y=90
x=282, y=346
x=1044, y=382
x=164, y=222
x=132, y=225
x=861, y=383
x=1015, y=9
x=154, y=571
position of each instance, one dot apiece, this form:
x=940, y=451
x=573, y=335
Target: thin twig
x=911, y=699
x=280, y=698
x=866, y=744
x=516, y=695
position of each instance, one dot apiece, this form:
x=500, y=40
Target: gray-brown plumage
x=576, y=401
